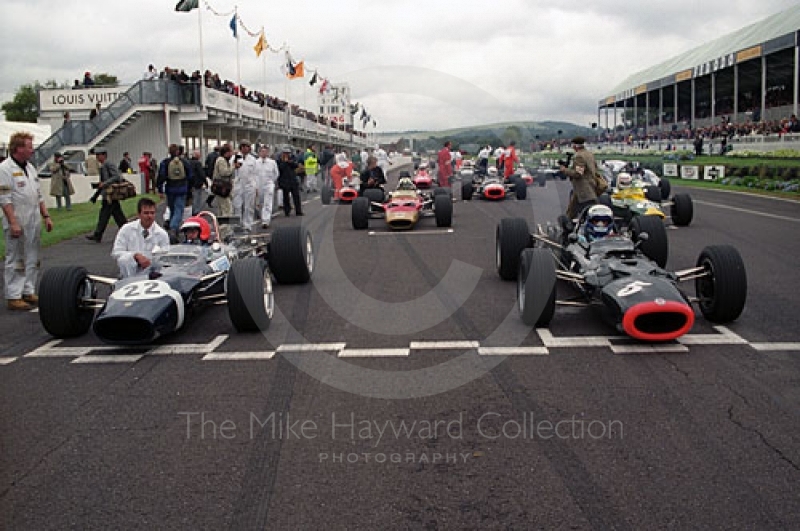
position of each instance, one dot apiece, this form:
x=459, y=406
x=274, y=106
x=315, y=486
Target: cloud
x=530, y=60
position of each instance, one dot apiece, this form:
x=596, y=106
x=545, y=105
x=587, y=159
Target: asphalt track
x=303, y=427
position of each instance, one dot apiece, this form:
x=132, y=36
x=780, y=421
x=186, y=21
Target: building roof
x=778, y=25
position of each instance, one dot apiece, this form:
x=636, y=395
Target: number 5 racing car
x=155, y=302
x=636, y=295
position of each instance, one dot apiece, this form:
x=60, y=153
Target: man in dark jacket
x=174, y=183
x=289, y=182
x=109, y=174
x=199, y=182
x=373, y=177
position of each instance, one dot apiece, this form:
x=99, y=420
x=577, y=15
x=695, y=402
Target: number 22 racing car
x=614, y=273
x=156, y=302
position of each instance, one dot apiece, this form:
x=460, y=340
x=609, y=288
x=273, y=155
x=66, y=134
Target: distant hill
x=470, y=138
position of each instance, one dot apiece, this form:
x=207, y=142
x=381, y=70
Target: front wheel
x=326, y=194
x=467, y=189
x=443, y=210
x=61, y=308
x=722, y=291
x=359, y=213
x=536, y=287
x=682, y=210
x=251, y=302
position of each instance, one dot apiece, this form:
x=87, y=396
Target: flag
x=233, y=26
x=313, y=79
x=261, y=45
x=363, y=113
x=186, y=5
x=325, y=87
x=299, y=71
x=289, y=69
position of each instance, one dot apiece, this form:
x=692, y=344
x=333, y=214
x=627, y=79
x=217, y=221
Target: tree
x=24, y=107
x=106, y=80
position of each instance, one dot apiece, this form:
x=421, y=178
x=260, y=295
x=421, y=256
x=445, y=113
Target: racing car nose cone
x=658, y=320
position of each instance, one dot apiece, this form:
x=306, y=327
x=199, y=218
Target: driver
x=599, y=223
x=196, y=231
x=405, y=184
x=624, y=181
x=492, y=173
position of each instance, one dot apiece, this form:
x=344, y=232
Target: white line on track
x=589, y=341
x=121, y=358
x=7, y=361
x=312, y=347
x=746, y=211
x=649, y=349
x=174, y=350
x=239, y=356
x=725, y=337
x=375, y=353
x=413, y=233
x=513, y=351
x=444, y=345
x=776, y=347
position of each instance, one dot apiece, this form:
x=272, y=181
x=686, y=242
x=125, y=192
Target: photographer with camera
x=585, y=178
x=60, y=184
x=289, y=183
x=109, y=174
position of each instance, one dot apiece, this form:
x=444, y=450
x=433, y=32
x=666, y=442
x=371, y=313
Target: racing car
x=422, y=179
x=403, y=208
x=154, y=303
x=636, y=295
x=344, y=194
x=631, y=198
x=493, y=187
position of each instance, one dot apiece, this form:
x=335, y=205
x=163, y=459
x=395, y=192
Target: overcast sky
x=413, y=64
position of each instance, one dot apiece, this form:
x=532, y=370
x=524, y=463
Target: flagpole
x=264, y=61
x=200, y=32
x=238, y=64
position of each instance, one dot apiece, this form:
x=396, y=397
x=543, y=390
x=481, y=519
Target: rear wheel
x=443, y=210
x=512, y=237
x=682, y=210
x=653, y=193
x=467, y=189
x=536, y=287
x=666, y=187
x=61, y=294
x=723, y=291
x=291, y=255
x=656, y=246
x=520, y=188
x=251, y=302
x=326, y=194
x=360, y=213
x=374, y=195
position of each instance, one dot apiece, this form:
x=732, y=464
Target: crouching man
x=133, y=247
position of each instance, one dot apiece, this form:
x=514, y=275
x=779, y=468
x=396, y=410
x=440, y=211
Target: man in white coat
x=245, y=185
x=136, y=240
x=23, y=211
x=267, y=172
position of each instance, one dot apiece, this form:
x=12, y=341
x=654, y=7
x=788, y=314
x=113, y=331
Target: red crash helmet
x=198, y=223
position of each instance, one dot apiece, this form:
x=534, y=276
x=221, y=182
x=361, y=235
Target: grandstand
x=750, y=75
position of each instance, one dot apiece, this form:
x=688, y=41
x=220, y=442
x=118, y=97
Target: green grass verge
x=717, y=186
x=82, y=219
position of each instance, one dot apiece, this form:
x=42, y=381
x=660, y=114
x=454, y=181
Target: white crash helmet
x=624, y=180
x=492, y=172
x=599, y=222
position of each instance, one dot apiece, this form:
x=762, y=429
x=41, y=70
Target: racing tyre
x=512, y=237
x=60, y=294
x=536, y=287
x=326, y=194
x=251, y=302
x=653, y=193
x=520, y=188
x=441, y=191
x=443, y=210
x=723, y=292
x=374, y=195
x=682, y=209
x=656, y=246
x=360, y=213
x=291, y=255
x=467, y=189
x=665, y=187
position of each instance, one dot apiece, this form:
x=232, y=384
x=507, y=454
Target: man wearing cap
x=289, y=183
x=582, y=175
x=60, y=184
x=245, y=185
x=109, y=174
x=23, y=211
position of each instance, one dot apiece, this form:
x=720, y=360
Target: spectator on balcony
x=150, y=74
x=88, y=82
x=94, y=112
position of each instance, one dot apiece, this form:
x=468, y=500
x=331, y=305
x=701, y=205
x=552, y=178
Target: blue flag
x=233, y=25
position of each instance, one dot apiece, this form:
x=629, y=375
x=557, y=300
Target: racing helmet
x=599, y=222
x=624, y=180
x=405, y=184
x=196, y=222
x=492, y=172
x=423, y=166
